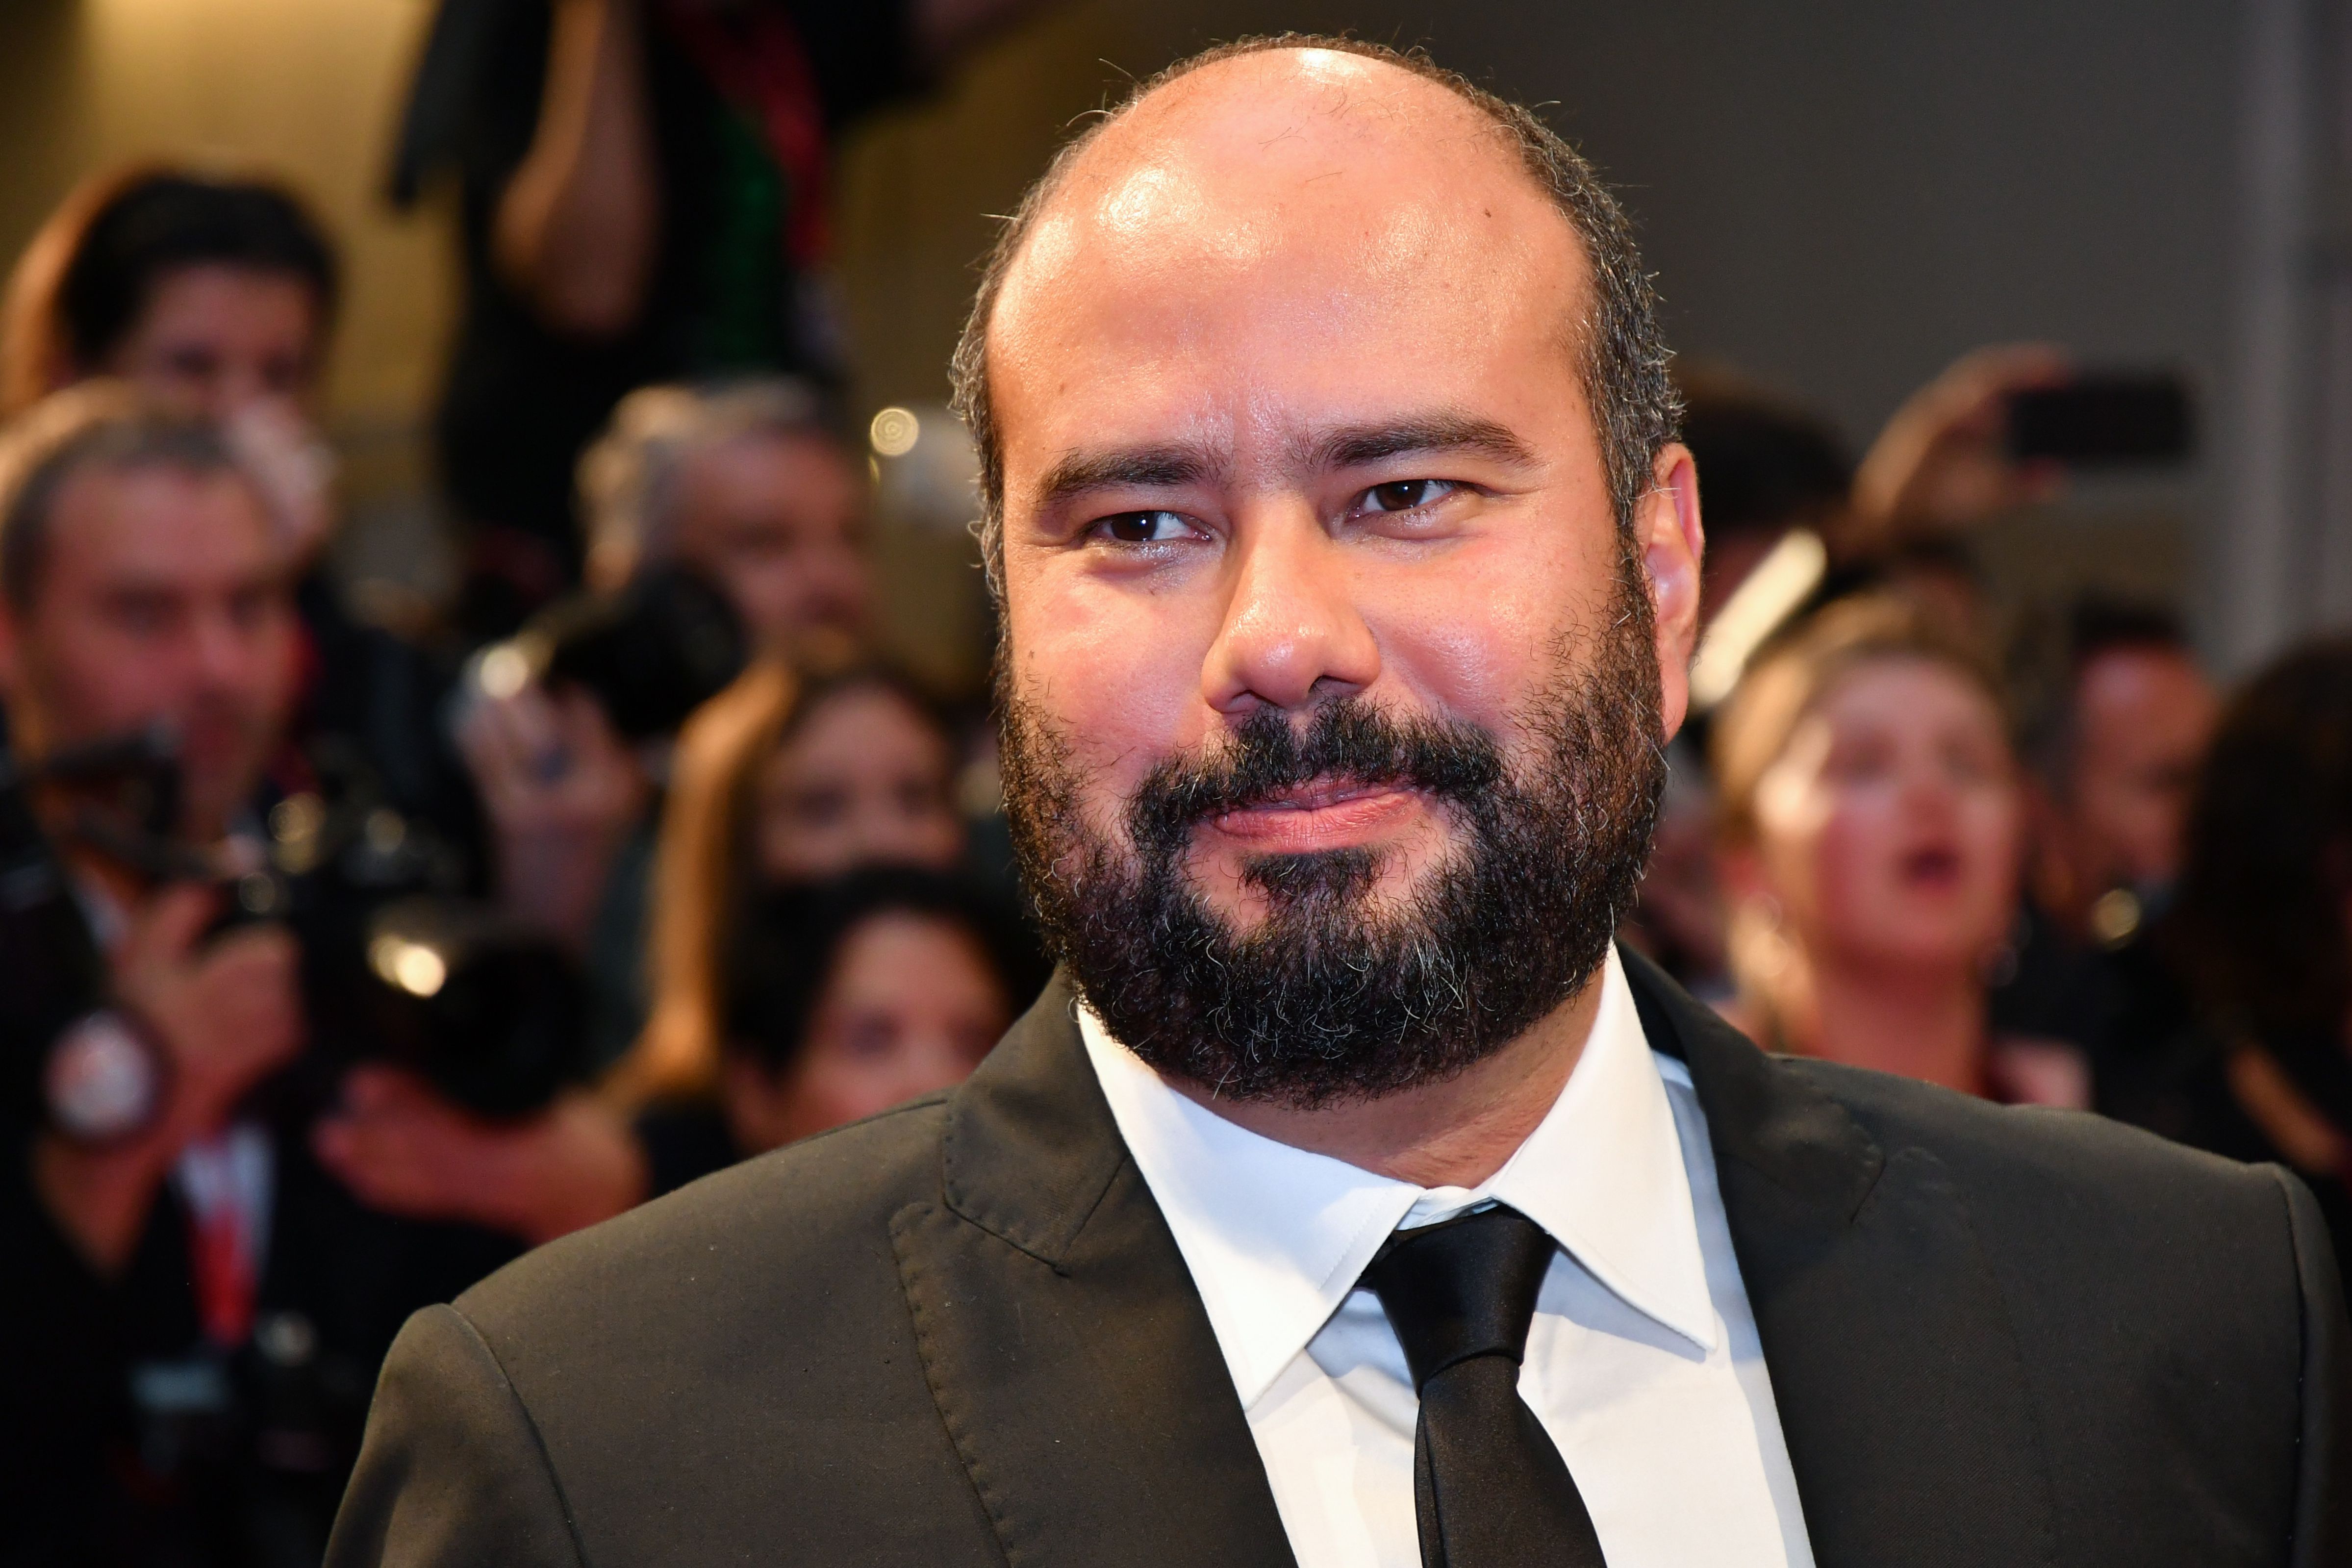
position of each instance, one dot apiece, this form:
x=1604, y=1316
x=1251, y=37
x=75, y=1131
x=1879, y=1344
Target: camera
x=397, y=965
x=649, y=655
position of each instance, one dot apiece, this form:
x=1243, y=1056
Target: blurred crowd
x=340, y=964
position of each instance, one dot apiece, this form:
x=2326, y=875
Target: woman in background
x=780, y=779
x=842, y=999
x=1870, y=819
x=774, y=781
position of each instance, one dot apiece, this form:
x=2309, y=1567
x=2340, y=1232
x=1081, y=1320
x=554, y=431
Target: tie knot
x=1463, y=1287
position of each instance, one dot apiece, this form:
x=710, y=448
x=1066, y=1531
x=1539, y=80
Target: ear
x=1667, y=525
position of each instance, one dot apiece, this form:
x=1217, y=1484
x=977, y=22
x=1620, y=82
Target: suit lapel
x=1901, y=1393
x=1062, y=1336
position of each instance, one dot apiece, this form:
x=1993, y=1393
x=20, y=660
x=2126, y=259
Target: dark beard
x=1332, y=998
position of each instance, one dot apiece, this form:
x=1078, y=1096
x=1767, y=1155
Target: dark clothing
x=128, y=1438
x=960, y=1332
x=2054, y=989
x=374, y=721
x=2180, y=1088
x=729, y=292
x=682, y=1143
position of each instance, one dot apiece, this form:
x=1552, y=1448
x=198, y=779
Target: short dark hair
x=784, y=954
x=1626, y=359
x=1764, y=464
x=98, y=424
x=2259, y=925
x=2050, y=678
x=168, y=220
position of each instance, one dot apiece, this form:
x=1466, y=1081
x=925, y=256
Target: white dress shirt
x=1643, y=1361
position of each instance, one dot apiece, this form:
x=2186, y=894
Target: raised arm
x=579, y=226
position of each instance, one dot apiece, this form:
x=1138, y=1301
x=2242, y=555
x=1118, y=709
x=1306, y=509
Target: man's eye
x=1145, y=526
x=1406, y=495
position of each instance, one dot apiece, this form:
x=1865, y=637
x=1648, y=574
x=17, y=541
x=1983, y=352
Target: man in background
x=2112, y=749
x=193, y=1309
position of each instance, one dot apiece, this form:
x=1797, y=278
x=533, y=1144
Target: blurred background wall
x=1838, y=198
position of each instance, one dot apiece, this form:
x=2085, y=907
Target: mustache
x=1348, y=739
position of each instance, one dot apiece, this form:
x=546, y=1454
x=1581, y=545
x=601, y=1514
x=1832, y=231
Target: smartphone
x=2104, y=419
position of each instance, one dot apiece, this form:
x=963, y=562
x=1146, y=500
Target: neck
x=1456, y=1133
x=1923, y=1022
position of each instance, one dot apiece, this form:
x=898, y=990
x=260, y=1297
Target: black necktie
x=1489, y=1489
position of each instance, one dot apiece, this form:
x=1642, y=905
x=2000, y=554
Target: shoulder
x=2102, y=1235
x=2047, y=1168
x=779, y=1236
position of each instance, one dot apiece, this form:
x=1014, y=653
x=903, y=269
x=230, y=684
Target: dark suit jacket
x=962, y=1333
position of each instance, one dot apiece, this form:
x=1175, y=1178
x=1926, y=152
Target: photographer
x=195, y=1310
x=218, y=296
x=734, y=503
x=731, y=515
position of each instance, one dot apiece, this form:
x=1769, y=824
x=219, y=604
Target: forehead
x=774, y=461
x=1906, y=691
x=159, y=521
x=1286, y=228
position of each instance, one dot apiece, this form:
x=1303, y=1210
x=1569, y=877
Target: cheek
x=1852, y=854
x=1477, y=632
x=1115, y=677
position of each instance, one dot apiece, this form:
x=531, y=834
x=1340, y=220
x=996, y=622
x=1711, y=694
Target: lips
x=1323, y=814
x=1933, y=866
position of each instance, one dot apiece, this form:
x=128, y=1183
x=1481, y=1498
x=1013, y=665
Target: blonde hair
x=1788, y=681
x=699, y=880
x=1793, y=675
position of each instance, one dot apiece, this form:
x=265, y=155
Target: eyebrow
x=1436, y=433
x=1139, y=468
x=1166, y=466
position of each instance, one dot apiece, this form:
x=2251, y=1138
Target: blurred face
x=2143, y=717
x=912, y=1007
x=863, y=780
x=1888, y=828
x=220, y=338
x=777, y=526
x=162, y=601
x=1317, y=611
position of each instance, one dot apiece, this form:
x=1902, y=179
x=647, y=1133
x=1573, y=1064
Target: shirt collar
x=1276, y=1236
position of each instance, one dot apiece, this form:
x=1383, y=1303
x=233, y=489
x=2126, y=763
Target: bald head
x=1312, y=177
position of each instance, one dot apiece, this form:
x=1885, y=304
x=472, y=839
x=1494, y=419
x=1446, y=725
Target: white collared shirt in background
x=1643, y=1362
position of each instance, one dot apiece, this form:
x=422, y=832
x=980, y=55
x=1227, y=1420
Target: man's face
x=1310, y=554
x=217, y=339
x=776, y=523
x=2143, y=719
x=161, y=602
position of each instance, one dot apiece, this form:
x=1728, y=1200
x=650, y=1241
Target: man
x=194, y=1310
x=747, y=484
x=2112, y=758
x=218, y=297
x=1350, y=573
x=2113, y=766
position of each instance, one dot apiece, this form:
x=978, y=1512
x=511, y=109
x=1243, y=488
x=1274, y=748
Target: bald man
x=1348, y=1198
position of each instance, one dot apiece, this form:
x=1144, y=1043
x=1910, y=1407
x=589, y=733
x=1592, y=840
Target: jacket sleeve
x=452, y=1473
x=2323, y=1515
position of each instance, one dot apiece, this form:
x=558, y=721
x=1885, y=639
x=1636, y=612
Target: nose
x=1292, y=632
